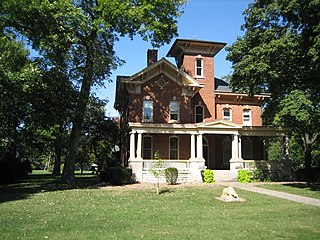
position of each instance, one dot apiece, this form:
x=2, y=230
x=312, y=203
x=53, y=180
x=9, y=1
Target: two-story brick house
x=193, y=119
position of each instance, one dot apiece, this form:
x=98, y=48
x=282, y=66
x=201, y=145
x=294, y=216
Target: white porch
x=190, y=168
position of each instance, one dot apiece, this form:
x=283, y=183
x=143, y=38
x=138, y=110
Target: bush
x=128, y=174
x=171, y=175
x=244, y=176
x=260, y=175
x=113, y=175
x=208, y=176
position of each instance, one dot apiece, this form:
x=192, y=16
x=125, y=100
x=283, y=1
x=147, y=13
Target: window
x=147, y=111
x=199, y=114
x=147, y=147
x=247, y=117
x=174, y=147
x=227, y=114
x=174, y=110
x=199, y=67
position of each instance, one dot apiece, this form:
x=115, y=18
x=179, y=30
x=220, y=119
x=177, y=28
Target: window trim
x=195, y=113
x=178, y=112
x=178, y=145
x=248, y=122
x=230, y=112
x=143, y=112
x=199, y=58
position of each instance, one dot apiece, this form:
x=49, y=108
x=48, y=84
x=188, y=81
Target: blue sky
x=210, y=20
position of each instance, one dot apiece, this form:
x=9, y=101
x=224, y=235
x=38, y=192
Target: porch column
x=192, y=147
x=132, y=145
x=197, y=163
x=199, y=147
x=236, y=162
x=240, y=147
x=139, y=146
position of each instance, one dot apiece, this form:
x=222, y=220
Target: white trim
x=230, y=114
x=199, y=58
x=195, y=113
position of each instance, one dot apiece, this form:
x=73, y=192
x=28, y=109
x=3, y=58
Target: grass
x=42, y=208
x=303, y=189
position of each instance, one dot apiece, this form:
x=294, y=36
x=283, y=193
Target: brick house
x=193, y=119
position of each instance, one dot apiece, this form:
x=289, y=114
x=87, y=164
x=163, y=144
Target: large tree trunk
x=68, y=170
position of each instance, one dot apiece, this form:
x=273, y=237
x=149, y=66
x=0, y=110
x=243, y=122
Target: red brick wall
x=161, y=99
x=237, y=113
x=206, y=94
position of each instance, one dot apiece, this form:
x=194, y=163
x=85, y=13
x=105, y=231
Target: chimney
x=152, y=56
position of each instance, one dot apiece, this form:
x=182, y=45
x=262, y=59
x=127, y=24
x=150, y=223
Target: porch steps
x=225, y=176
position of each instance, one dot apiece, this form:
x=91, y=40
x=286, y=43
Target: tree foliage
x=280, y=54
x=78, y=37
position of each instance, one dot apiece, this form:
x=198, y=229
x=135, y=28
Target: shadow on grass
x=307, y=185
x=37, y=183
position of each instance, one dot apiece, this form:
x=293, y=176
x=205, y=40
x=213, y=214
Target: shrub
x=208, y=176
x=171, y=175
x=128, y=174
x=113, y=175
x=244, y=176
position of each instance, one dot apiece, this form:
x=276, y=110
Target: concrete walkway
x=292, y=197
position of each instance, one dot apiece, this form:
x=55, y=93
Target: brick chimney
x=152, y=56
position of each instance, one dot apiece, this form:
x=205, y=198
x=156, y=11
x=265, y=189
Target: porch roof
x=212, y=127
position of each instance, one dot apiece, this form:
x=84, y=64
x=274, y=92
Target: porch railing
x=179, y=164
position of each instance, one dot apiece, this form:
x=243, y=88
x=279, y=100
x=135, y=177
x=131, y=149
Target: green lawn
x=303, y=189
x=45, y=209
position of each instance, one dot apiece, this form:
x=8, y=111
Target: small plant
x=157, y=169
x=208, y=176
x=171, y=175
x=244, y=176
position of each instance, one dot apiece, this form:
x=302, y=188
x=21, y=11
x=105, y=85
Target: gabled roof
x=218, y=124
x=161, y=65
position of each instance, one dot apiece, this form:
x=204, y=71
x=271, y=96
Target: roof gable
x=218, y=124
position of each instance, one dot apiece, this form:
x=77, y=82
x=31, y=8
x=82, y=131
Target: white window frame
x=149, y=119
x=195, y=113
x=177, y=112
x=247, y=121
x=201, y=67
x=224, y=117
x=177, y=150
x=151, y=147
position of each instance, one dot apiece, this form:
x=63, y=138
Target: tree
x=299, y=112
x=83, y=33
x=280, y=53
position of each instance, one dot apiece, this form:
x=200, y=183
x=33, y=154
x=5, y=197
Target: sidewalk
x=292, y=197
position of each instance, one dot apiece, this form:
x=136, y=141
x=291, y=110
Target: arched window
x=147, y=147
x=199, y=113
x=174, y=147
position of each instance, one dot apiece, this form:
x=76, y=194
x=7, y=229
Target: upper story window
x=227, y=114
x=174, y=147
x=174, y=111
x=247, y=118
x=199, y=113
x=147, y=111
x=199, y=67
x=147, y=147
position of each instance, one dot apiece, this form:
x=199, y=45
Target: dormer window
x=227, y=114
x=147, y=111
x=174, y=109
x=199, y=66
